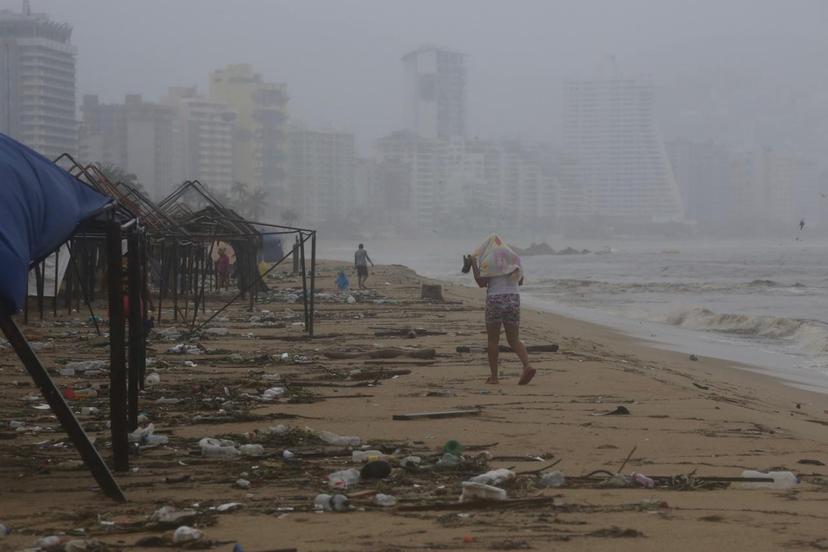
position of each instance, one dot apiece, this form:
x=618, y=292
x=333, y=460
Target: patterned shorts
x=503, y=308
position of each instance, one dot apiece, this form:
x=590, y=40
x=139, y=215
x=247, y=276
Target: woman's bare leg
x=513, y=337
x=493, y=332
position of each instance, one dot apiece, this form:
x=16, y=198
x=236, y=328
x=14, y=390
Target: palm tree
x=116, y=174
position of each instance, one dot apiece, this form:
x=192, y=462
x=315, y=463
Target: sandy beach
x=696, y=418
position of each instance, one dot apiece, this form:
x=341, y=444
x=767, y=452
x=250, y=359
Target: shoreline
x=685, y=419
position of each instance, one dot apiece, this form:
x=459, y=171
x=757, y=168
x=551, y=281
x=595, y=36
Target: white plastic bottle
x=781, y=480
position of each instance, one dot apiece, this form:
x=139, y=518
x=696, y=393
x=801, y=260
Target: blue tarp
x=41, y=205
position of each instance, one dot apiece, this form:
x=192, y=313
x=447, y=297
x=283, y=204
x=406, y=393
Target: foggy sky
x=740, y=72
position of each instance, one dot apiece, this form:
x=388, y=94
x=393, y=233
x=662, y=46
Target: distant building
x=136, y=136
x=203, y=144
x=617, y=168
x=702, y=171
x=261, y=115
x=435, y=88
x=319, y=179
x=37, y=82
x=774, y=190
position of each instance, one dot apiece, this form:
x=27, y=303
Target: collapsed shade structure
x=41, y=205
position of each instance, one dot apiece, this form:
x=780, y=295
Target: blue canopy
x=41, y=205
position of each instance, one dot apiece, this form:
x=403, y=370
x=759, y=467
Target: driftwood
x=399, y=362
x=406, y=332
x=479, y=504
x=379, y=374
x=382, y=353
x=551, y=348
x=436, y=415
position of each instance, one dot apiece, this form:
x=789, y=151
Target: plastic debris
x=153, y=378
x=781, y=480
x=642, y=480
x=340, y=440
x=479, y=491
x=251, y=450
x=378, y=469
x=186, y=534
x=552, y=479
x=169, y=515
x=366, y=456
x=384, y=500
x=228, y=506
x=242, y=483
x=448, y=460
x=274, y=393
x=218, y=448
x=343, y=479
x=494, y=477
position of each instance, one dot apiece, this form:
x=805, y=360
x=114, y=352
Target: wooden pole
x=136, y=326
x=304, y=282
x=312, y=282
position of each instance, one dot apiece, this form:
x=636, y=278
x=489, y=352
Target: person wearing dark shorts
x=503, y=309
x=361, y=260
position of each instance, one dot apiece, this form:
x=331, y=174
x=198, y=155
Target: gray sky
x=742, y=72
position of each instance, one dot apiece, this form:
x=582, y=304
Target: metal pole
x=136, y=326
x=74, y=264
x=304, y=282
x=61, y=410
x=312, y=281
x=117, y=354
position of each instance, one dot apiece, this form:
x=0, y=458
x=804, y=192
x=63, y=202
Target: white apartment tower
x=617, y=165
x=37, y=82
x=203, y=140
x=435, y=93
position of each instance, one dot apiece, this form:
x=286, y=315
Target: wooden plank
x=437, y=415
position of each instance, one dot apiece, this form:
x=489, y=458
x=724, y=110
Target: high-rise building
x=702, y=171
x=203, y=143
x=435, y=85
x=136, y=136
x=319, y=173
x=37, y=82
x=261, y=116
x=618, y=165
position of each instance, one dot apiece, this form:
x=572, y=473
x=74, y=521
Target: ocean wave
x=563, y=285
x=810, y=336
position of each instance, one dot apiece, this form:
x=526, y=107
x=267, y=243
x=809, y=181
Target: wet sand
x=703, y=417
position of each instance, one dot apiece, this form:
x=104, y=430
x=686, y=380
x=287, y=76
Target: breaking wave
x=810, y=336
x=598, y=286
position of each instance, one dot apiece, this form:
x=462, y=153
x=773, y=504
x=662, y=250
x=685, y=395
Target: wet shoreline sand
x=703, y=416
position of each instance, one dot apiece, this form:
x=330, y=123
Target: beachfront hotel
x=37, y=82
x=435, y=93
x=618, y=166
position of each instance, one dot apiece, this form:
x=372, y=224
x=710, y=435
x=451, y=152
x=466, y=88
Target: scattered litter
x=327, y=503
x=153, y=378
x=642, y=480
x=781, y=480
x=343, y=479
x=619, y=411
x=146, y=436
x=242, y=483
x=339, y=440
x=552, y=479
x=216, y=331
x=435, y=415
x=479, y=491
x=362, y=456
x=274, y=393
x=251, y=450
x=378, y=469
x=384, y=500
x=448, y=460
x=218, y=448
x=186, y=534
x=229, y=506
x=169, y=515
x=184, y=349
x=410, y=462
x=494, y=477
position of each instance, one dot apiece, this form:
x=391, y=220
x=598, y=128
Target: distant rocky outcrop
x=543, y=248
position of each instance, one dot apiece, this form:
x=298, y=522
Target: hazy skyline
x=742, y=72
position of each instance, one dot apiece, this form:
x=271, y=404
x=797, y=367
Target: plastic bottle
x=218, y=448
x=781, y=480
x=480, y=491
x=322, y=503
x=384, y=500
x=494, y=477
x=87, y=393
x=362, y=456
x=339, y=440
x=343, y=479
x=552, y=479
x=186, y=534
x=251, y=450
x=643, y=481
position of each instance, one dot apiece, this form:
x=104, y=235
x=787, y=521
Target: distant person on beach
x=223, y=269
x=361, y=260
x=502, y=301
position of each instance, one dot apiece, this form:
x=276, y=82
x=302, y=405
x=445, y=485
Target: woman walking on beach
x=498, y=269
